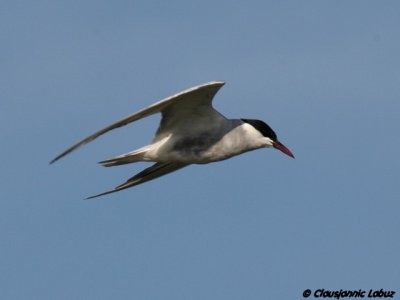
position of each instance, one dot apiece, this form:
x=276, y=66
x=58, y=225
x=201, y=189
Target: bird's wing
x=155, y=171
x=202, y=95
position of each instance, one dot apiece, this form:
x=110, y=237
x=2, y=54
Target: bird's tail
x=127, y=158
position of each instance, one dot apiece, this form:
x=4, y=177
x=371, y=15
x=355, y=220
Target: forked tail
x=127, y=158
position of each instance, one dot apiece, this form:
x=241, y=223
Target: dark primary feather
x=153, y=172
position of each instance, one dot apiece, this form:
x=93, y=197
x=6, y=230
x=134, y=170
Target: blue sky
x=324, y=74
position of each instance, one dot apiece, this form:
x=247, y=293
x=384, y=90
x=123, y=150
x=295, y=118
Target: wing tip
x=99, y=195
x=54, y=159
x=218, y=83
x=91, y=197
x=211, y=85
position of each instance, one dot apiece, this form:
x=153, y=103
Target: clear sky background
x=324, y=74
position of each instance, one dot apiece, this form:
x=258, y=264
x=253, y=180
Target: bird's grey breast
x=196, y=144
x=204, y=145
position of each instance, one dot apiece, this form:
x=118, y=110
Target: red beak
x=281, y=147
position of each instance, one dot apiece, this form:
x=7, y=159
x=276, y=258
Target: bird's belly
x=201, y=148
x=193, y=157
x=202, y=154
x=189, y=152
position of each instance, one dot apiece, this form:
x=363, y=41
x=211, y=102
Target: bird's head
x=269, y=138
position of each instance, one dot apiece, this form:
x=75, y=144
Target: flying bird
x=191, y=131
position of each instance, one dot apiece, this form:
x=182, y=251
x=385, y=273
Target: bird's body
x=201, y=146
x=191, y=131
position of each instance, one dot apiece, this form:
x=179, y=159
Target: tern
x=191, y=131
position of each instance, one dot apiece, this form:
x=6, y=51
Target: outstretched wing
x=155, y=171
x=202, y=95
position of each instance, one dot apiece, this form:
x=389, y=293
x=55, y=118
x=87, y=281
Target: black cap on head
x=262, y=127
